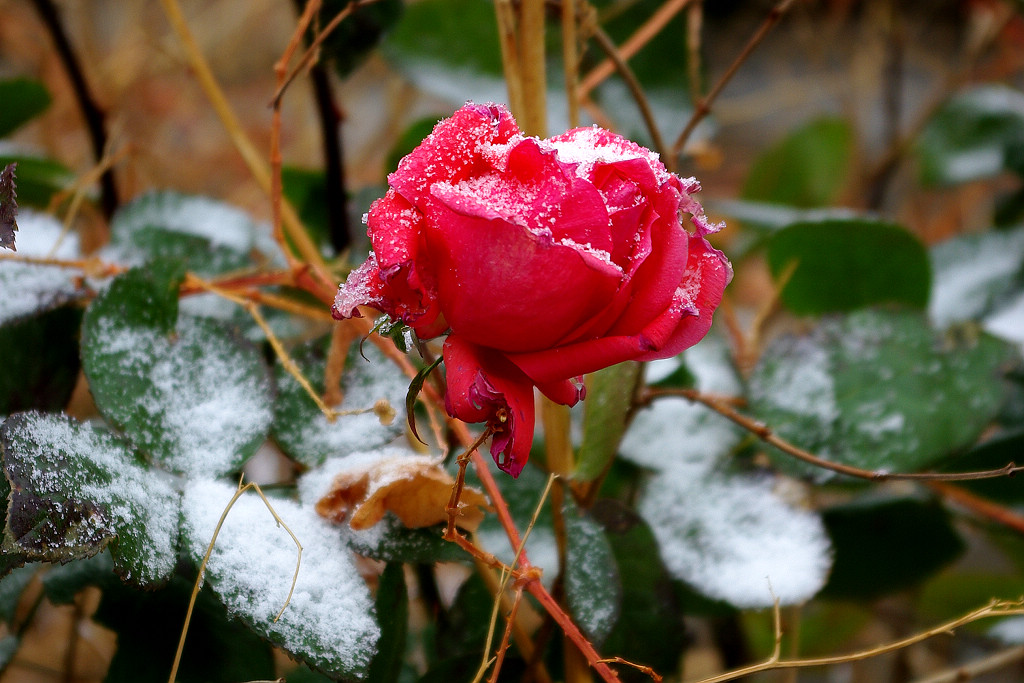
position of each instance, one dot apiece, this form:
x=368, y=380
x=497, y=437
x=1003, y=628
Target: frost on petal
x=484, y=387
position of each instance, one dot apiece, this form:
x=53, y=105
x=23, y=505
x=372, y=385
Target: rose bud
x=543, y=260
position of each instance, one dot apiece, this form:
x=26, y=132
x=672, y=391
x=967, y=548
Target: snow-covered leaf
x=592, y=583
x=733, y=539
x=28, y=288
x=968, y=138
x=193, y=396
x=329, y=622
x=303, y=431
x=879, y=390
x=74, y=489
x=972, y=273
x=674, y=430
x=8, y=207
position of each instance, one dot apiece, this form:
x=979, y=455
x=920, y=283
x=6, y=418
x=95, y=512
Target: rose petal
x=454, y=150
x=484, y=387
x=496, y=278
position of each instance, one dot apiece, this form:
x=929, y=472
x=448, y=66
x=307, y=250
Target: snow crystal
x=734, y=539
x=330, y=619
x=203, y=405
x=967, y=272
x=37, y=287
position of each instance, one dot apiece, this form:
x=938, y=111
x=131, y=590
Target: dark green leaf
x=968, y=138
x=392, y=541
x=414, y=391
x=609, y=394
x=879, y=390
x=593, y=588
x=393, y=615
x=456, y=35
x=12, y=587
x=218, y=648
x=44, y=349
x=75, y=489
x=650, y=628
x=193, y=396
x=845, y=265
x=8, y=207
x=464, y=629
x=38, y=178
x=9, y=560
x=884, y=545
x=357, y=34
x=23, y=99
x=63, y=582
x=307, y=191
x=807, y=169
x=303, y=431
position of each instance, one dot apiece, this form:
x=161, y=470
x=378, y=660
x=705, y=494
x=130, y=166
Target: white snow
x=28, y=287
x=330, y=619
x=733, y=539
x=1008, y=321
x=804, y=388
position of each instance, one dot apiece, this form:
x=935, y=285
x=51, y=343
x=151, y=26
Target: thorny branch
x=765, y=433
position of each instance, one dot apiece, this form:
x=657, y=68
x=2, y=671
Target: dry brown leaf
x=415, y=488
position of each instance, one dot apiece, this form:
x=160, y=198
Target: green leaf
x=358, y=33
x=971, y=274
x=192, y=396
x=649, y=629
x=968, y=138
x=887, y=544
x=218, y=649
x=306, y=190
x=609, y=394
x=414, y=391
x=303, y=431
x=460, y=36
x=806, y=169
x=845, y=265
x=44, y=350
x=393, y=614
x=329, y=622
x=39, y=179
x=75, y=489
x=593, y=587
x=23, y=99
x=878, y=390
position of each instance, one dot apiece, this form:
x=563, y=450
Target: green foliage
x=609, y=394
x=806, y=169
x=393, y=611
x=834, y=266
x=593, y=587
x=43, y=349
x=350, y=43
x=458, y=35
x=23, y=99
x=879, y=390
x=39, y=179
x=902, y=540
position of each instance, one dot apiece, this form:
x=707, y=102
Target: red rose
x=542, y=259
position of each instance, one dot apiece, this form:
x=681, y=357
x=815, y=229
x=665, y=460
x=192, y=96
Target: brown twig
x=979, y=506
x=703, y=106
x=90, y=110
x=765, y=433
x=570, y=60
x=971, y=670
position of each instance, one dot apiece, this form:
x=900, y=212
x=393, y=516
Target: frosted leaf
x=78, y=489
x=674, y=430
x=199, y=402
x=733, y=539
x=329, y=622
x=592, y=587
x=31, y=288
x=970, y=273
x=304, y=432
x=1007, y=321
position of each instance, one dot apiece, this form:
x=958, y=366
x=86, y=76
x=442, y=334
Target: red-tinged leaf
x=8, y=207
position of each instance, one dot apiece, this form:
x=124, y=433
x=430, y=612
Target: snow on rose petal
x=542, y=260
